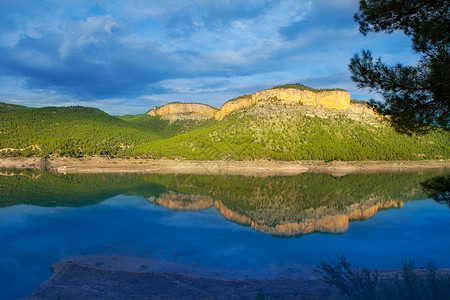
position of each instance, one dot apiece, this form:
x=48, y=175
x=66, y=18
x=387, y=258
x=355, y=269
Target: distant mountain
x=290, y=122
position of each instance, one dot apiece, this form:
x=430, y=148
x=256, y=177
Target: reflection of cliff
x=334, y=223
x=176, y=201
x=296, y=205
x=288, y=206
x=320, y=220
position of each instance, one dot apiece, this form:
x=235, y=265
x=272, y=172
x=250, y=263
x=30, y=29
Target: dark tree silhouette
x=438, y=188
x=416, y=98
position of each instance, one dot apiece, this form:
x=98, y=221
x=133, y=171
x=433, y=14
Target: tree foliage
x=416, y=97
x=67, y=131
x=304, y=87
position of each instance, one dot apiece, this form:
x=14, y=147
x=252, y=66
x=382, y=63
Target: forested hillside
x=284, y=134
x=164, y=128
x=67, y=131
x=264, y=131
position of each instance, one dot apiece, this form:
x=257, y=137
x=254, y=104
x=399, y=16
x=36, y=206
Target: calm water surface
x=231, y=225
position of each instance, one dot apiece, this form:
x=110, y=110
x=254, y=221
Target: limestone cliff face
x=362, y=109
x=234, y=105
x=337, y=100
x=184, y=111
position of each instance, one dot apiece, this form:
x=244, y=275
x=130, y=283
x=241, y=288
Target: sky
x=125, y=57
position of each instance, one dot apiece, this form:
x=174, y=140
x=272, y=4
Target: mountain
x=290, y=122
x=296, y=94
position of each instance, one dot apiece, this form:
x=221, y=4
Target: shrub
x=366, y=284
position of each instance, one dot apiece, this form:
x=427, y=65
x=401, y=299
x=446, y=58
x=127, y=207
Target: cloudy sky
x=125, y=57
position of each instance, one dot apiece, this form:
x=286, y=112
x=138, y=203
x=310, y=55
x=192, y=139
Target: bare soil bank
x=249, y=168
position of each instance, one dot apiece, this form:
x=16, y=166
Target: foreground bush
x=367, y=284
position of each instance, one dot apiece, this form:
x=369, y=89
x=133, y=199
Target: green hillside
x=164, y=128
x=67, y=131
x=265, y=131
x=282, y=134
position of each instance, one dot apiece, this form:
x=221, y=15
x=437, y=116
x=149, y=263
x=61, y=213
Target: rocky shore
x=72, y=279
x=111, y=277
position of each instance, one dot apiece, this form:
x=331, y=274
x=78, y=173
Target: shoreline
x=75, y=279
x=198, y=167
x=117, y=277
x=214, y=167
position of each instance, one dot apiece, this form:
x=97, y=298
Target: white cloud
x=93, y=30
x=141, y=53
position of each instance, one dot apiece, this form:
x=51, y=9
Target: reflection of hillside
x=299, y=204
x=43, y=188
x=320, y=220
x=332, y=223
x=290, y=205
x=32, y=175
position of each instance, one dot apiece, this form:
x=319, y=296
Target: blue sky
x=125, y=57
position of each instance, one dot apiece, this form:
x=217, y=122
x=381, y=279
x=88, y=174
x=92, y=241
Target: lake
x=232, y=226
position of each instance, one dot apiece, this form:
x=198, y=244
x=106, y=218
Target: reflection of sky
x=127, y=56
x=33, y=238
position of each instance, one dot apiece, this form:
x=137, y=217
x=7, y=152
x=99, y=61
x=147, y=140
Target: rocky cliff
x=183, y=111
x=336, y=100
x=234, y=105
x=329, y=99
x=362, y=109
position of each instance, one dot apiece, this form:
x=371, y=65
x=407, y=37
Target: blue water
x=32, y=238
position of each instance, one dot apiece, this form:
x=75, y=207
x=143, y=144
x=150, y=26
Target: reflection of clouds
x=17, y=215
x=122, y=201
x=188, y=219
x=164, y=216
